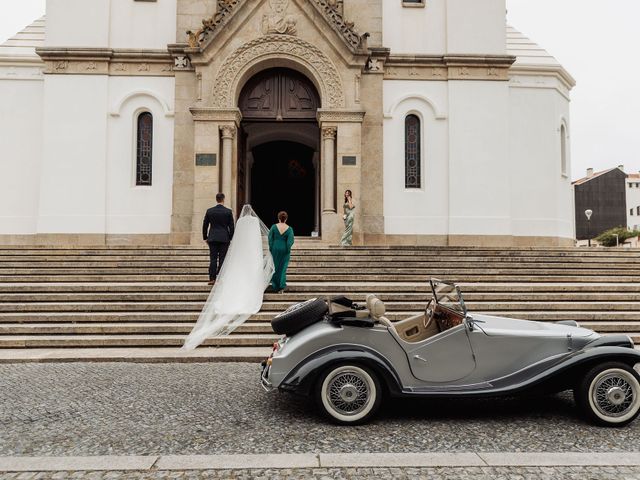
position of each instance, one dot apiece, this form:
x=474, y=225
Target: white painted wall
x=20, y=150
x=131, y=208
x=476, y=26
x=541, y=197
x=78, y=23
x=445, y=26
x=72, y=187
x=421, y=211
x=143, y=24
x=111, y=23
x=427, y=26
x=88, y=179
x=479, y=185
x=633, y=202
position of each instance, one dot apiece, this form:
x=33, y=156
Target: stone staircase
x=126, y=297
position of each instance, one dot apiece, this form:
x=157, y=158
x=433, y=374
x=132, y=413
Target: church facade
x=120, y=120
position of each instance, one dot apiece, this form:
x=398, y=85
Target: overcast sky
x=596, y=41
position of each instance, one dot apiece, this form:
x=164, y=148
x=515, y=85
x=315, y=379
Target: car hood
x=501, y=326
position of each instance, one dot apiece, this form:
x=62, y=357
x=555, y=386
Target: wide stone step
x=323, y=287
x=271, y=306
x=456, y=277
x=159, y=340
x=145, y=316
x=326, y=262
x=357, y=296
x=118, y=328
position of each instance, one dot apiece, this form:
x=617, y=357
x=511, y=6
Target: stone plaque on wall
x=205, y=159
x=349, y=160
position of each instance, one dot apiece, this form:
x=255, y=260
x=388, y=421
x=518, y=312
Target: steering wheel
x=428, y=315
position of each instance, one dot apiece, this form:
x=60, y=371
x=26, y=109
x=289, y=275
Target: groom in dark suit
x=217, y=231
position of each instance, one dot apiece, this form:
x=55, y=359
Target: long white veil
x=239, y=289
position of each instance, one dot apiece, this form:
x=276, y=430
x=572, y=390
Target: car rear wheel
x=349, y=394
x=609, y=394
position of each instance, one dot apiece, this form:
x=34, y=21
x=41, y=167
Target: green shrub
x=608, y=238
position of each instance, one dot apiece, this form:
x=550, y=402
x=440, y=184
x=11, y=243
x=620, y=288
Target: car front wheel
x=349, y=394
x=609, y=395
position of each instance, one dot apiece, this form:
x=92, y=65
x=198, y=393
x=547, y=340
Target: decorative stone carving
x=278, y=21
x=373, y=65
x=182, y=62
x=278, y=46
x=333, y=12
x=209, y=25
x=329, y=132
x=228, y=131
x=61, y=65
x=340, y=116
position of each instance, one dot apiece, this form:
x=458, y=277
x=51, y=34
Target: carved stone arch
x=278, y=50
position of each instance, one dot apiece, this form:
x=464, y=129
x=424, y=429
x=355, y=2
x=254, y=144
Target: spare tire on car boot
x=299, y=316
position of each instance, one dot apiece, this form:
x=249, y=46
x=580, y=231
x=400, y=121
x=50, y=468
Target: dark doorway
x=279, y=142
x=283, y=178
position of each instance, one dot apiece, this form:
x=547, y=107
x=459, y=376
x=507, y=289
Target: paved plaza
x=122, y=409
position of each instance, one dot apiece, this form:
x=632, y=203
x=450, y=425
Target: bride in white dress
x=239, y=289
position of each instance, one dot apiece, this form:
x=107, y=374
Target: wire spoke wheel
x=349, y=393
x=613, y=395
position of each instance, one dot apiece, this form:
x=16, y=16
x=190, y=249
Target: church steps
x=455, y=276
x=358, y=296
x=271, y=306
x=142, y=297
x=159, y=340
x=182, y=316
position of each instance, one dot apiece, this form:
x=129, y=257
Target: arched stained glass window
x=412, y=159
x=144, y=150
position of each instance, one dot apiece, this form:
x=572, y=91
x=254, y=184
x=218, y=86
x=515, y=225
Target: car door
x=446, y=357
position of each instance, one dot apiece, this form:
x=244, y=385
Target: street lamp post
x=588, y=214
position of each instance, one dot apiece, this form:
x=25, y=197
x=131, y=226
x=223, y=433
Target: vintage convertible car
x=349, y=356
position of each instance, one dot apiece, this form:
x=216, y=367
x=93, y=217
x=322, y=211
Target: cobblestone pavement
x=79, y=409
x=468, y=473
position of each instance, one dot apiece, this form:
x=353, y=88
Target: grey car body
x=481, y=355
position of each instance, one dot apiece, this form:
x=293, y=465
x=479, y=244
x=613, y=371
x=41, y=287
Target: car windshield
x=448, y=296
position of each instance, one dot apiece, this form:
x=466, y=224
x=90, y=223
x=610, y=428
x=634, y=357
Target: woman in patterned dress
x=349, y=216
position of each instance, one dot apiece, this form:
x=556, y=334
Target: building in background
x=633, y=201
x=449, y=127
x=605, y=194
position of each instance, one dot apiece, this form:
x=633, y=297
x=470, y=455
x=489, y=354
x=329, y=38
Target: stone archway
x=278, y=164
x=284, y=51
x=218, y=125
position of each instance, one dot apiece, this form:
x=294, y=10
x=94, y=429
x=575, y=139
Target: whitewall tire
x=609, y=394
x=349, y=394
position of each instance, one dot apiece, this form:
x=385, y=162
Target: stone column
x=328, y=168
x=228, y=133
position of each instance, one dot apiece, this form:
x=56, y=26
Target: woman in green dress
x=280, y=243
x=349, y=216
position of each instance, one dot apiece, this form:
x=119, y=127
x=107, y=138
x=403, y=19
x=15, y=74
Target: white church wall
x=541, y=197
x=474, y=26
x=72, y=187
x=422, y=211
x=87, y=26
x=479, y=183
x=427, y=27
x=20, y=153
x=130, y=208
x=143, y=24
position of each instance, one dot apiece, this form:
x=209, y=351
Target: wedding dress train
x=239, y=289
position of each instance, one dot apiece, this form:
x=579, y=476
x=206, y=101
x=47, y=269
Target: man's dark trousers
x=217, y=230
x=217, y=252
